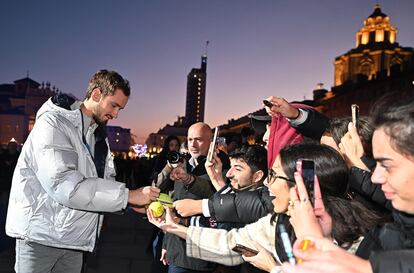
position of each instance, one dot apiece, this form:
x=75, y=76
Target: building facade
x=19, y=103
x=196, y=93
x=377, y=66
x=194, y=109
x=155, y=141
x=119, y=139
x=376, y=52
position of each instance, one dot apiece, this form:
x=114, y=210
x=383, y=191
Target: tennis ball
x=157, y=209
x=165, y=199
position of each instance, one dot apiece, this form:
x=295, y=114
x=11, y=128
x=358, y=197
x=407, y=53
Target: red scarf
x=281, y=135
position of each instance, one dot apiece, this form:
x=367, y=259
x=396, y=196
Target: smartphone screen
x=355, y=113
x=210, y=155
x=307, y=169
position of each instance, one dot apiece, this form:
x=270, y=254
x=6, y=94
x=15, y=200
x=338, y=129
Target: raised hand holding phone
x=213, y=147
x=214, y=169
x=301, y=212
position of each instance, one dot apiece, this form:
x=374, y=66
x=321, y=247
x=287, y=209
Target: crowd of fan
x=231, y=213
x=237, y=206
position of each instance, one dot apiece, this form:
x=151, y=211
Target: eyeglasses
x=272, y=176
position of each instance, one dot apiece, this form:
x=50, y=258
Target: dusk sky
x=257, y=49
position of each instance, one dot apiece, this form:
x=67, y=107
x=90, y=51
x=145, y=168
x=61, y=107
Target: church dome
x=377, y=29
x=377, y=12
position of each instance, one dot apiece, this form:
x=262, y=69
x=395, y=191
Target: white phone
x=210, y=155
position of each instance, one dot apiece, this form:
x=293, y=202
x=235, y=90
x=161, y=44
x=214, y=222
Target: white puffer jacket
x=56, y=193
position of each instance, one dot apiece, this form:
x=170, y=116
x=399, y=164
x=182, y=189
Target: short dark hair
x=329, y=166
x=338, y=127
x=108, y=81
x=396, y=117
x=255, y=157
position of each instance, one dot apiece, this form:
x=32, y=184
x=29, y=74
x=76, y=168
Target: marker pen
x=286, y=244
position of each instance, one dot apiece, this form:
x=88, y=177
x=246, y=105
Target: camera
x=175, y=157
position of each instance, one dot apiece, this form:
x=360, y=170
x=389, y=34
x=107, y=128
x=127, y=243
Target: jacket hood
x=62, y=105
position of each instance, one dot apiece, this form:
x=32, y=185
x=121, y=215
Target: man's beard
x=96, y=117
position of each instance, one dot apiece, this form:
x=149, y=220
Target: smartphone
x=210, y=155
x=307, y=170
x=244, y=250
x=268, y=103
x=355, y=113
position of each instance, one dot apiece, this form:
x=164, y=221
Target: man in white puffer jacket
x=65, y=177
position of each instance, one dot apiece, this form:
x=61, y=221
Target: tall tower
x=377, y=51
x=196, y=93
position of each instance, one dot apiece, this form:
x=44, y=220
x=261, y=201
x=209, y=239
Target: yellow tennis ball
x=157, y=209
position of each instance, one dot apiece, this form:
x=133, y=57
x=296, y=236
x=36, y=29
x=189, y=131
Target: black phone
x=210, y=155
x=308, y=174
x=244, y=250
x=268, y=103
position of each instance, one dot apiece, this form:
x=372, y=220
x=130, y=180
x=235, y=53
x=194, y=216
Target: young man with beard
x=65, y=178
x=241, y=202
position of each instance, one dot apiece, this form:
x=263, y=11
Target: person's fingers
x=248, y=259
x=210, y=150
x=318, y=202
x=288, y=268
x=352, y=130
x=154, y=195
x=299, y=241
x=293, y=196
x=293, y=200
x=341, y=147
x=313, y=254
x=318, y=246
x=217, y=158
x=155, y=189
x=167, y=213
x=209, y=164
x=302, y=192
x=150, y=216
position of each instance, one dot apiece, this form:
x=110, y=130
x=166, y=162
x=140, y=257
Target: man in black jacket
x=241, y=202
x=191, y=182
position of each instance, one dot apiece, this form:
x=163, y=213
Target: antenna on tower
x=206, y=48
